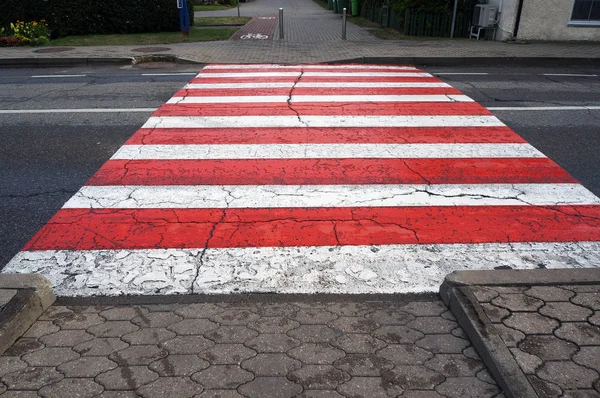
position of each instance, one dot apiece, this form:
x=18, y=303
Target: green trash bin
x=330, y=4
x=336, y=6
x=354, y=8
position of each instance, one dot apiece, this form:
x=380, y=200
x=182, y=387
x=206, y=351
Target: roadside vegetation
x=221, y=21
x=212, y=7
x=195, y=35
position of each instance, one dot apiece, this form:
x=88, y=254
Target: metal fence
x=417, y=23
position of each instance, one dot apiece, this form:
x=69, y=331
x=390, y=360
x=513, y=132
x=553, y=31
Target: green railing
x=418, y=23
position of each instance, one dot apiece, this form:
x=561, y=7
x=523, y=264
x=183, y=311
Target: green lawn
x=221, y=21
x=145, y=38
x=212, y=7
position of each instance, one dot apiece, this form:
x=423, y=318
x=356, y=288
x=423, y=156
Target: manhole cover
x=150, y=49
x=53, y=50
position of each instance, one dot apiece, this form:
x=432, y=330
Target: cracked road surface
x=314, y=178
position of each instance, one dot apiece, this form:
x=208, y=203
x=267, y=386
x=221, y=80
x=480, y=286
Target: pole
x=453, y=19
x=344, y=18
x=238, y=4
x=281, y=24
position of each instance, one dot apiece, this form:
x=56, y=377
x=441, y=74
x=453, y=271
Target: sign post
x=184, y=17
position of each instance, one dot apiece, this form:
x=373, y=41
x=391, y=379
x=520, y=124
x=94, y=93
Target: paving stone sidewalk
x=256, y=348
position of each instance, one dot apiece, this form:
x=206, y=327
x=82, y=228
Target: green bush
x=83, y=17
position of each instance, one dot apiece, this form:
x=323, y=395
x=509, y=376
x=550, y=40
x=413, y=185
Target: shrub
x=82, y=17
x=11, y=42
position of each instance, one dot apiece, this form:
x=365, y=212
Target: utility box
x=484, y=15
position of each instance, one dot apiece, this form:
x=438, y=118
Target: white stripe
x=300, y=196
x=320, y=121
x=318, y=98
x=82, y=110
x=568, y=74
x=544, y=108
x=333, y=67
x=313, y=74
x=318, y=85
x=324, y=269
x=44, y=76
x=325, y=151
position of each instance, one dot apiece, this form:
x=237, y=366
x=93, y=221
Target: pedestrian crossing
x=314, y=178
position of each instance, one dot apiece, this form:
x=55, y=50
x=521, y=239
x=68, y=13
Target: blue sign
x=184, y=17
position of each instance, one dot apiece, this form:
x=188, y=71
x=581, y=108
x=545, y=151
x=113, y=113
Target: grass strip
x=145, y=38
x=221, y=21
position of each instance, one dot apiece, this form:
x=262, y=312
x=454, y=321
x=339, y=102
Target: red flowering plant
x=23, y=33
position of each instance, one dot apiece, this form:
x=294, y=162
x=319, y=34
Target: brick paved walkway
x=256, y=348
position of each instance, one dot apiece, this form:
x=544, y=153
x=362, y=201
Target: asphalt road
x=46, y=157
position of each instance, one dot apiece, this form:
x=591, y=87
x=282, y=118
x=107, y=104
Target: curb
x=455, y=292
x=27, y=297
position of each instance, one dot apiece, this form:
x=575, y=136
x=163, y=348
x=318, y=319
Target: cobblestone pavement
x=248, y=349
x=553, y=332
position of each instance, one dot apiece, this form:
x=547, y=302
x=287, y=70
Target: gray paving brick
x=314, y=333
x=517, y=302
x=315, y=377
x=548, y=348
x=483, y=294
x=470, y=352
x=220, y=394
x=20, y=394
x=170, y=387
x=397, y=334
x=50, y=356
x=590, y=300
x=510, y=336
x=148, y=336
x=371, y=387
x=358, y=343
x=227, y=354
x=320, y=394
x=113, y=329
x=391, y=317
x=425, y=308
x=231, y=334
x=187, y=345
x=156, y=319
x=413, y=377
x=589, y=357
x=582, y=394
x=349, y=308
x=363, y=365
x=549, y=293
x=122, y=313
x=166, y=307
x=466, y=387
x=275, y=309
x=593, y=288
x=566, y=312
x=484, y=375
x=80, y=388
x=79, y=320
x=423, y=394
x=354, y=324
x=199, y=310
x=544, y=388
x=178, y=365
x=100, y=346
x=316, y=353
x=275, y=324
x=31, y=378
x=66, y=338
x=454, y=365
x=237, y=316
x=495, y=314
x=55, y=312
x=23, y=346
x=126, y=377
x=41, y=328
x=272, y=343
x=118, y=394
x=222, y=377
x=528, y=362
x=568, y=375
x=531, y=323
x=193, y=326
x=267, y=387
x=11, y=364
x=432, y=325
x=86, y=367
x=405, y=354
x=271, y=365
x=460, y=333
x=579, y=333
x=443, y=344
x=595, y=319
x=314, y=316
x=138, y=355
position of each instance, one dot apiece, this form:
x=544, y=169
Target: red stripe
x=299, y=69
x=311, y=79
x=305, y=109
x=330, y=135
x=224, y=92
x=85, y=229
x=329, y=172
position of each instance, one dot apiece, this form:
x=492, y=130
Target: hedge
x=84, y=17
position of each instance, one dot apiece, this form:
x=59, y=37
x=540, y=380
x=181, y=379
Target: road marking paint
x=319, y=98
x=327, y=151
x=544, y=108
x=83, y=110
x=301, y=84
x=330, y=172
x=337, y=135
x=371, y=195
x=50, y=76
x=569, y=74
x=309, y=270
x=311, y=74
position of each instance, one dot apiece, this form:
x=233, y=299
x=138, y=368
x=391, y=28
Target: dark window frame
x=584, y=22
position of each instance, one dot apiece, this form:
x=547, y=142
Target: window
x=586, y=13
